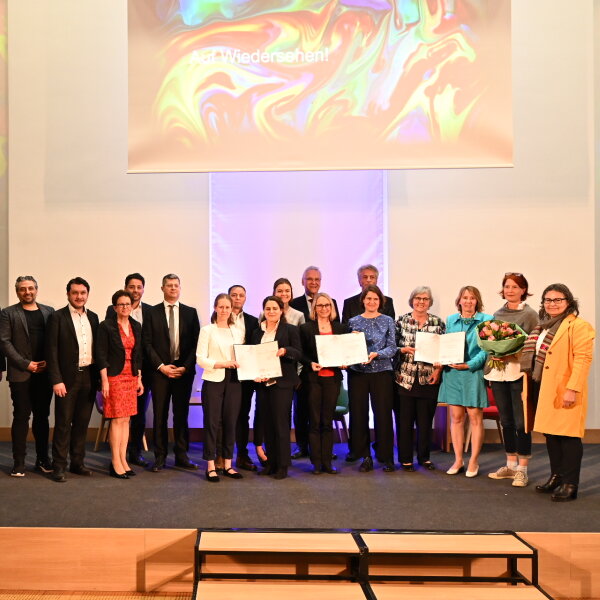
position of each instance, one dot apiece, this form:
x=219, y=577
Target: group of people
x=140, y=348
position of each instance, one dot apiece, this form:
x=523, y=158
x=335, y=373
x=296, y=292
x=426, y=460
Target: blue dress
x=466, y=388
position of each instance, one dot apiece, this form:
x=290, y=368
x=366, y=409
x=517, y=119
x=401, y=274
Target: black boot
x=565, y=493
x=550, y=485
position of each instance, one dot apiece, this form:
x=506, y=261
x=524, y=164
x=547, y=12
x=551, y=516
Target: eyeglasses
x=421, y=299
x=513, y=273
x=322, y=305
x=554, y=300
x=124, y=305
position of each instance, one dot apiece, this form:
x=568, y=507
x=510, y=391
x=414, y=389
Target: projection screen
x=270, y=85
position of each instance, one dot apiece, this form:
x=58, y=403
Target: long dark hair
x=279, y=302
x=572, y=304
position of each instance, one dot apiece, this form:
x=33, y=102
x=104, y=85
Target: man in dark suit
x=134, y=284
x=70, y=336
x=170, y=336
x=311, y=280
x=246, y=324
x=367, y=275
x=22, y=340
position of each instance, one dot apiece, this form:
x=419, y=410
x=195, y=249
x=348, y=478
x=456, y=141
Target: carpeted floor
x=400, y=500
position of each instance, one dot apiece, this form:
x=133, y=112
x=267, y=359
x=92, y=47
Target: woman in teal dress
x=463, y=388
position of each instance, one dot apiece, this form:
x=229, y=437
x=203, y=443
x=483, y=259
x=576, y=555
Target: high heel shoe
x=550, y=485
x=113, y=473
x=456, y=470
x=565, y=493
x=472, y=473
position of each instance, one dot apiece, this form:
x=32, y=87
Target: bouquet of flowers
x=500, y=339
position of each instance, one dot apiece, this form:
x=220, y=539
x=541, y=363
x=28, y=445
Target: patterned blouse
x=379, y=334
x=406, y=330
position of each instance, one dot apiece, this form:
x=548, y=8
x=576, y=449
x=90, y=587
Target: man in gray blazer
x=22, y=340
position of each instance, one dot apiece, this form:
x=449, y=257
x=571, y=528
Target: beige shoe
x=521, y=479
x=502, y=473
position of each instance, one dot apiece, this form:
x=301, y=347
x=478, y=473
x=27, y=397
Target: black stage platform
x=177, y=499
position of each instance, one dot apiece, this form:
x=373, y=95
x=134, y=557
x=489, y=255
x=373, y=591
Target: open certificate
x=341, y=350
x=257, y=362
x=446, y=349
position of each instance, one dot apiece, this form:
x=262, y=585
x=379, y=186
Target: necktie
x=172, y=341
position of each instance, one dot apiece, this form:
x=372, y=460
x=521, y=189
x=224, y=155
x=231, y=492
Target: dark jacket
x=14, y=340
x=62, y=349
x=353, y=307
x=110, y=353
x=308, y=333
x=288, y=337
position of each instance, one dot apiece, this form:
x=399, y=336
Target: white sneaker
x=521, y=479
x=503, y=473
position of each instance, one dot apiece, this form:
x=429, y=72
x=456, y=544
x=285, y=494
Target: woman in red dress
x=119, y=358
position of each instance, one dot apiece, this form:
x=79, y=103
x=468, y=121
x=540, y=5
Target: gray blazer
x=14, y=340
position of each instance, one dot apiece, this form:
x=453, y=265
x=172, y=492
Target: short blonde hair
x=313, y=310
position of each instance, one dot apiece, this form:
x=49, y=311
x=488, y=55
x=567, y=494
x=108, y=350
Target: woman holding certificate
x=507, y=383
x=418, y=382
x=221, y=389
x=323, y=383
x=558, y=355
x=373, y=379
x=463, y=388
x=275, y=394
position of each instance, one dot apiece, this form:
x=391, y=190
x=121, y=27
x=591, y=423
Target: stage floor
x=177, y=499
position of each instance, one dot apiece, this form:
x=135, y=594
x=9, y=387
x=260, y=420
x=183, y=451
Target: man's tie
x=172, y=340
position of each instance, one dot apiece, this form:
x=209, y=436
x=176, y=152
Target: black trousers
x=164, y=391
x=71, y=419
x=242, y=428
x=565, y=455
x=377, y=386
x=258, y=427
x=301, y=417
x=276, y=407
x=138, y=421
x=408, y=411
x=30, y=397
x=221, y=405
x=322, y=400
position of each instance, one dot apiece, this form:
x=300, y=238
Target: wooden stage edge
x=161, y=560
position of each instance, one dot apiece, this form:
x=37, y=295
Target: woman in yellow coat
x=558, y=354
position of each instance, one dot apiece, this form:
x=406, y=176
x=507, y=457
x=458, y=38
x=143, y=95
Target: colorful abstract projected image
x=268, y=85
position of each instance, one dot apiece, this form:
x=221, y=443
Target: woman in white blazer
x=221, y=389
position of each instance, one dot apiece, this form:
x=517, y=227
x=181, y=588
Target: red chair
x=490, y=413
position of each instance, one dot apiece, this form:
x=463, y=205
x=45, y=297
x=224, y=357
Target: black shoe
x=232, y=474
x=408, y=467
x=43, y=465
x=80, y=470
x=330, y=470
x=300, y=453
x=550, y=485
x=428, y=465
x=389, y=467
x=267, y=470
x=130, y=473
x=366, y=465
x=244, y=462
x=212, y=478
x=565, y=493
x=351, y=458
x=138, y=461
x=113, y=473
x=59, y=476
x=186, y=464
x=18, y=470
x=159, y=465
x=281, y=473
x=317, y=471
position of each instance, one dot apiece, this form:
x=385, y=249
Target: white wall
x=74, y=211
